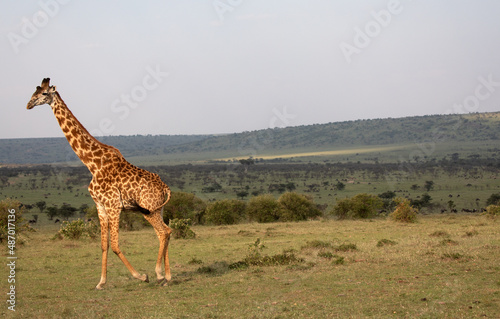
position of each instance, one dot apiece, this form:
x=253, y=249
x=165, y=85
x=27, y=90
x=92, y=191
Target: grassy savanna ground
x=443, y=266
x=468, y=188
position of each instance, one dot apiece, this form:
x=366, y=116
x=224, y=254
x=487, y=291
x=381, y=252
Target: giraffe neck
x=86, y=147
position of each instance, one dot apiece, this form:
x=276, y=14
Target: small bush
x=339, y=260
x=195, y=261
x=297, y=207
x=256, y=258
x=448, y=242
x=20, y=225
x=494, y=199
x=386, y=242
x=264, y=209
x=492, y=211
x=317, y=244
x=471, y=233
x=326, y=254
x=78, y=229
x=360, y=206
x=181, y=228
x=225, y=212
x=454, y=256
x=440, y=233
x=286, y=258
x=214, y=269
x=404, y=212
x=346, y=247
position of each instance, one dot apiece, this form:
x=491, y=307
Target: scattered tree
x=52, y=212
x=429, y=185
x=66, y=211
x=41, y=205
x=340, y=186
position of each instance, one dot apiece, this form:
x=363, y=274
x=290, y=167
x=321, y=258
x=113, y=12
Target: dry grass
x=416, y=276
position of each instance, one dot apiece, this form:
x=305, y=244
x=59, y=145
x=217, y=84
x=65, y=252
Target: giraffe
x=116, y=185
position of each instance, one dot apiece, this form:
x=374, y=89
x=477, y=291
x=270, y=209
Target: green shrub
x=492, y=211
x=339, y=260
x=386, y=242
x=317, y=244
x=440, y=233
x=225, y=212
x=181, y=228
x=346, y=247
x=342, y=208
x=18, y=224
x=183, y=206
x=404, y=212
x=264, y=209
x=297, y=207
x=360, y=206
x=494, y=199
x=78, y=229
x=256, y=258
x=326, y=254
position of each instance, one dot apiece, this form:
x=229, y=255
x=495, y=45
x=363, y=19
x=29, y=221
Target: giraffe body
x=116, y=185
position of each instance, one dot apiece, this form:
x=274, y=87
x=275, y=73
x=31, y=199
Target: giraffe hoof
x=99, y=287
x=162, y=282
x=146, y=279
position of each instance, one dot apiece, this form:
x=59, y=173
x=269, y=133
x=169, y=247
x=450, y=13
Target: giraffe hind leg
x=163, y=233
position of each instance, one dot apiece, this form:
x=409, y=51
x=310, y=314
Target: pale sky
x=225, y=66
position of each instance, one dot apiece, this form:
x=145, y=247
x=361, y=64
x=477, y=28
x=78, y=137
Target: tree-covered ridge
x=57, y=150
x=434, y=128
x=418, y=129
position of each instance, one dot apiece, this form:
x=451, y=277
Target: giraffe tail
x=167, y=192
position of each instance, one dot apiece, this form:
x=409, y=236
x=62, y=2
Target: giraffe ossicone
x=116, y=185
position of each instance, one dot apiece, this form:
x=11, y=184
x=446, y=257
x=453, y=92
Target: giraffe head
x=44, y=94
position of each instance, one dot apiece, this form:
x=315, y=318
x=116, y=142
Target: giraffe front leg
x=114, y=223
x=104, y=246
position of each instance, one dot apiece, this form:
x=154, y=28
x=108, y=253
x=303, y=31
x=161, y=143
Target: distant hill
x=57, y=149
x=470, y=127
x=420, y=129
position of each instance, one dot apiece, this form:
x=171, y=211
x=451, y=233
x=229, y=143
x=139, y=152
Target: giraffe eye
x=45, y=93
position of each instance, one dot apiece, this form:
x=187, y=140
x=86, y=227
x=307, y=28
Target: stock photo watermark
x=31, y=26
x=373, y=28
x=131, y=100
x=222, y=7
x=11, y=259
